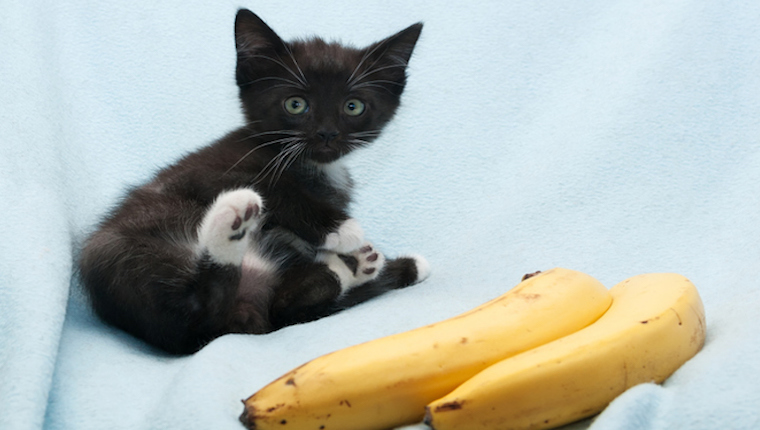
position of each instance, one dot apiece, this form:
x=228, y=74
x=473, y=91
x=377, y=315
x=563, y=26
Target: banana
x=388, y=381
x=655, y=324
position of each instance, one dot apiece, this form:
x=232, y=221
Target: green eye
x=353, y=107
x=296, y=105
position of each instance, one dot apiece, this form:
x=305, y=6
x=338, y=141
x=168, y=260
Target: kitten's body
x=252, y=232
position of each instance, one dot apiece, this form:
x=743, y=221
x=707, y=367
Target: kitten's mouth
x=324, y=154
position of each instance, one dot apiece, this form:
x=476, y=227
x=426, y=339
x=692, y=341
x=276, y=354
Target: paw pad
x=369, y=263
x=226, y=223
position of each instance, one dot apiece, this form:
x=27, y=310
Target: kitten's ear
x=386, y=61
x=254, y=41
x=401, y=44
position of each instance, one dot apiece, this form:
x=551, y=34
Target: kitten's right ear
x=252, y=34
x=255, y=41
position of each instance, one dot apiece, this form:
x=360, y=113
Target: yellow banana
x=387, y=382
x=655, y=324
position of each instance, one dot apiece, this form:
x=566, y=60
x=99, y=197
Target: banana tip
x=428, y=418
x=247, y=419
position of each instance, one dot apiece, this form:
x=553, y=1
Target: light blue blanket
x=610, y=137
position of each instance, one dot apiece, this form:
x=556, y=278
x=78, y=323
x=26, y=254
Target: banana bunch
x=388, y=381
x=554, y=349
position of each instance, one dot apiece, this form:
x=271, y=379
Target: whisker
x=298, y=149
x=373, y=71
x=359, y=142
x=271, y=87
x=249, y=124
x=276, y=162
x=364, y=58
x=289, y=150
x=400, y=60
x=372, y=86
x=370, y=67
x=264, y=133
x=367, y=133
x=281, y=64
x=292, y=57
x=381, y=81
x=275, y=78
x=247, y=154
x=266, y=168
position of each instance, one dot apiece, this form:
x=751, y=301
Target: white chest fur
x=337, y=173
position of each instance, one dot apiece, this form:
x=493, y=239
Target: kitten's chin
x=324, y=155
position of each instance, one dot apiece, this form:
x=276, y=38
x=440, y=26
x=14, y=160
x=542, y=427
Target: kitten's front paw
x=230, y=217
x=348, y=238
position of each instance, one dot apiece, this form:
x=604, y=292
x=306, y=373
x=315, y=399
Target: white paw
x=230, y=217
x=348, y=238
x=369, y=264
x=422, y=265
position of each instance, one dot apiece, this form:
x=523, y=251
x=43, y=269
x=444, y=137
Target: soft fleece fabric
x=611, y=137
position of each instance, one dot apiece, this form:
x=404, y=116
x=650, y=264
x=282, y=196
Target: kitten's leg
x=226, y=235
x=224, y=227
x=336, y=282
x=307, y=292
x=310, y=291
x=356, y=268
x=146, y=271
x=346, y=239
x=397, y=273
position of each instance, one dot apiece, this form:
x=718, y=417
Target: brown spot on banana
x=449, y=406
x=677, y=316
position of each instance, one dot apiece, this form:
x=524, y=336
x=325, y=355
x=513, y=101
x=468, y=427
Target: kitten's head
x=315, y=99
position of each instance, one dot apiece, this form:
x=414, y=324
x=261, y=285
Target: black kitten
x=251, y=233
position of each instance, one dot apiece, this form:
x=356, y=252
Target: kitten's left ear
x=401, y=44
x=384, y=63
x=257, y=46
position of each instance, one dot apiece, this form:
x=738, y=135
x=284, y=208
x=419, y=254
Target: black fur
x=142, y=268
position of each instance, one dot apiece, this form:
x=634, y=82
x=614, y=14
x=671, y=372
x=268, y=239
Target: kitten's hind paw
x=230, y=217
x=359, y=267
x=369, y=264
x=396, y=273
